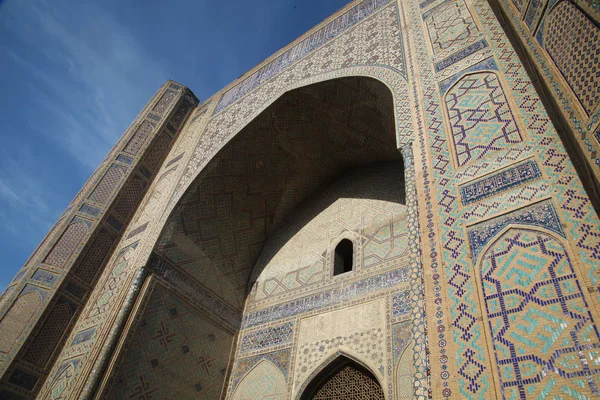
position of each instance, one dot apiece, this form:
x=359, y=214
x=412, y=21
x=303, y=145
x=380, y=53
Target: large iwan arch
x=406, y=143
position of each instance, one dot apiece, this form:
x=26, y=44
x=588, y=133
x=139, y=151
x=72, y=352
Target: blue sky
x=75, y=73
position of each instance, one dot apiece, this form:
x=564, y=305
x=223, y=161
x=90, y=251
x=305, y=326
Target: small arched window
x=343, y=258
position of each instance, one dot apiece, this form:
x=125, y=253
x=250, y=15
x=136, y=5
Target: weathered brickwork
x=409, y=130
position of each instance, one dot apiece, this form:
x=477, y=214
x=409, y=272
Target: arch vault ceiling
x=303, y=141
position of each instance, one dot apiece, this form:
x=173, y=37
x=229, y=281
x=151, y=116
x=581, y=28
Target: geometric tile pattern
x=573, y=42
x=108, y=184
x=268, y=337
x=92, y=262
x=51, y=333
x=486, y=64
x=542, y=330
x=173, y=340
x=17, y=318
x=336, y=27
x=480, y=117
x=369, y=344
x=137, y=140
x=450, y=25
x=500, y=181
x=112, y=286
x=534, y=12
x=405, y=372
x=466, y=372
x=401, y=303
x=66, y=245
x=542, y=214
x=281, y=359
x=264, y=381
x=352, y=384
x=130, y=197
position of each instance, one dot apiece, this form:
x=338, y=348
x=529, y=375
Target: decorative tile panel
x=18, y=317
x=499, y=182
x=534, y=12
x=542, y=214
x=44, y=276
x=542, y=330
x=344, y=22
x=124, y=159
x=68, y=242
x=268, y=337
x=84, y=336
x=51, y=333
x=264, y=381
x=95, y=256
x=280, y=359
x=450, y=25
x=139, y=138
x=328, y=298
x=108, y=184
x=480, y=118
x=165, y=101
x=137, y=230
x=401, y=303
x=573, y=42
x=130, y=198
x=464, y=53
x=90, y=210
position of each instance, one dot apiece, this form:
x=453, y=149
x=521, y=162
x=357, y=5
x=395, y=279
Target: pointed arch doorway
x=344, y=379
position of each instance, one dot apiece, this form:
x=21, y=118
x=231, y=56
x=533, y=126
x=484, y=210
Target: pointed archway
x=344, y=379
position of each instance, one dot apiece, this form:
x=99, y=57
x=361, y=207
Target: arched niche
x=245, y=191
x=264, y=381
x=538, y=321
x=300, y=143
x=343, y=378
x=405, y=373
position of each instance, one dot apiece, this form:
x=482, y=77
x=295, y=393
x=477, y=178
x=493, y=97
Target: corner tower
x=44, y=301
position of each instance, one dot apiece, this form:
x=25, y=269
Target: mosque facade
x=402, y=203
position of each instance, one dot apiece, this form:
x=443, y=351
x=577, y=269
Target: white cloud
x=89, y=72
x=82, y=77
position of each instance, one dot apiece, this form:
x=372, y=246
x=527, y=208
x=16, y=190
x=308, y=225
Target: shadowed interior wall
x=304, y=140
x=177, y=353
